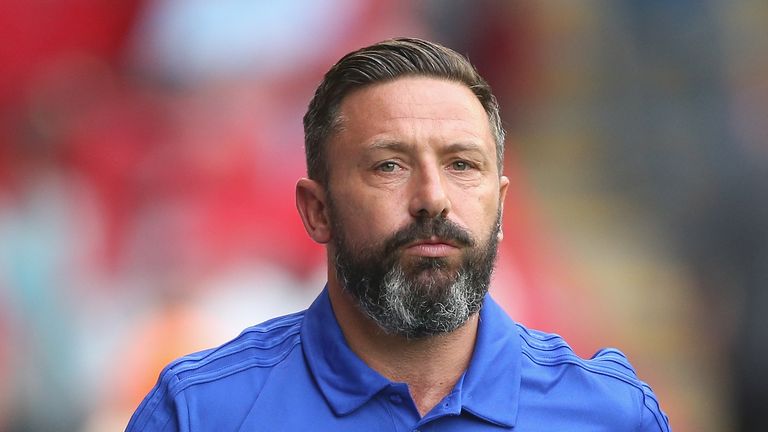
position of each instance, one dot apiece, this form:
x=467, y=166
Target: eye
x=388, y=166
x=460, y=165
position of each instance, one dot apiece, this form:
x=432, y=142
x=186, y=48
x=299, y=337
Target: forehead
x=415, y=105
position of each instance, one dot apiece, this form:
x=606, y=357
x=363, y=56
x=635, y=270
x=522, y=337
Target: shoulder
x=606, y=382
x=262, y=345
x=237, y=368
x=548, y=349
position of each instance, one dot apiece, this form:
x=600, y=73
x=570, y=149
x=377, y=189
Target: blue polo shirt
x=297, y=373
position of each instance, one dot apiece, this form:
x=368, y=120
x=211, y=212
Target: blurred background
x=149, y=150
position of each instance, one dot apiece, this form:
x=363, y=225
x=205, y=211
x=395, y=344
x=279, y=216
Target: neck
x=430, y=366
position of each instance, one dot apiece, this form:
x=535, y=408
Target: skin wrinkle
x=376, y=152
x=337, y=124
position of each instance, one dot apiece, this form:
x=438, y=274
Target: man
x=404, y=152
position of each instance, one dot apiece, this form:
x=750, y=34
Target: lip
x=432, y=247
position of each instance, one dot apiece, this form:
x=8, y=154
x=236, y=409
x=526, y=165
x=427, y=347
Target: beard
x=416, y=297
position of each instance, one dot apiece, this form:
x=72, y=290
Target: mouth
x=432, y=247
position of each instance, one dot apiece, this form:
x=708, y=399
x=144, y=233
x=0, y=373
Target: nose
x=429, y=197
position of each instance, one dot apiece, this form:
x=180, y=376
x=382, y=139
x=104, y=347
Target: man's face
x=414, y=198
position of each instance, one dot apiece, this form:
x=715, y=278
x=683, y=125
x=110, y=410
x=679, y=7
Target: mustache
x=426, y=228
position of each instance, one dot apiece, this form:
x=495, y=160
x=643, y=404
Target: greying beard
x=401, y=307
x=424, y=302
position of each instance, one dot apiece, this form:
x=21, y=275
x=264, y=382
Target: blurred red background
x=150, y=150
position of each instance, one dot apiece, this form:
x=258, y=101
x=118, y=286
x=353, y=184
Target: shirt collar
x=344, y=379
x=486, y=389
x=491, y=386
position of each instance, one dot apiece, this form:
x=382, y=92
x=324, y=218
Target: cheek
x=375, y=210
x=368, y=220
x=477, y=208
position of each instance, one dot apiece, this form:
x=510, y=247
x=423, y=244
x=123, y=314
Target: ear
x=311, y=204
x=503, y=186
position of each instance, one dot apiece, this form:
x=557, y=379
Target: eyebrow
x=394, y=145
x=385, y=144
x=463, y=146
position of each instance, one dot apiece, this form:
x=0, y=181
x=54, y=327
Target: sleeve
x=161, y=410
x=653, y=418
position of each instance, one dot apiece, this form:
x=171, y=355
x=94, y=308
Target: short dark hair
x=381, y=62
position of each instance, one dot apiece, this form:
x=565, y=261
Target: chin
x=437, y=281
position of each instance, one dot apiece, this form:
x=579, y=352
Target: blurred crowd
x=149, y=150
